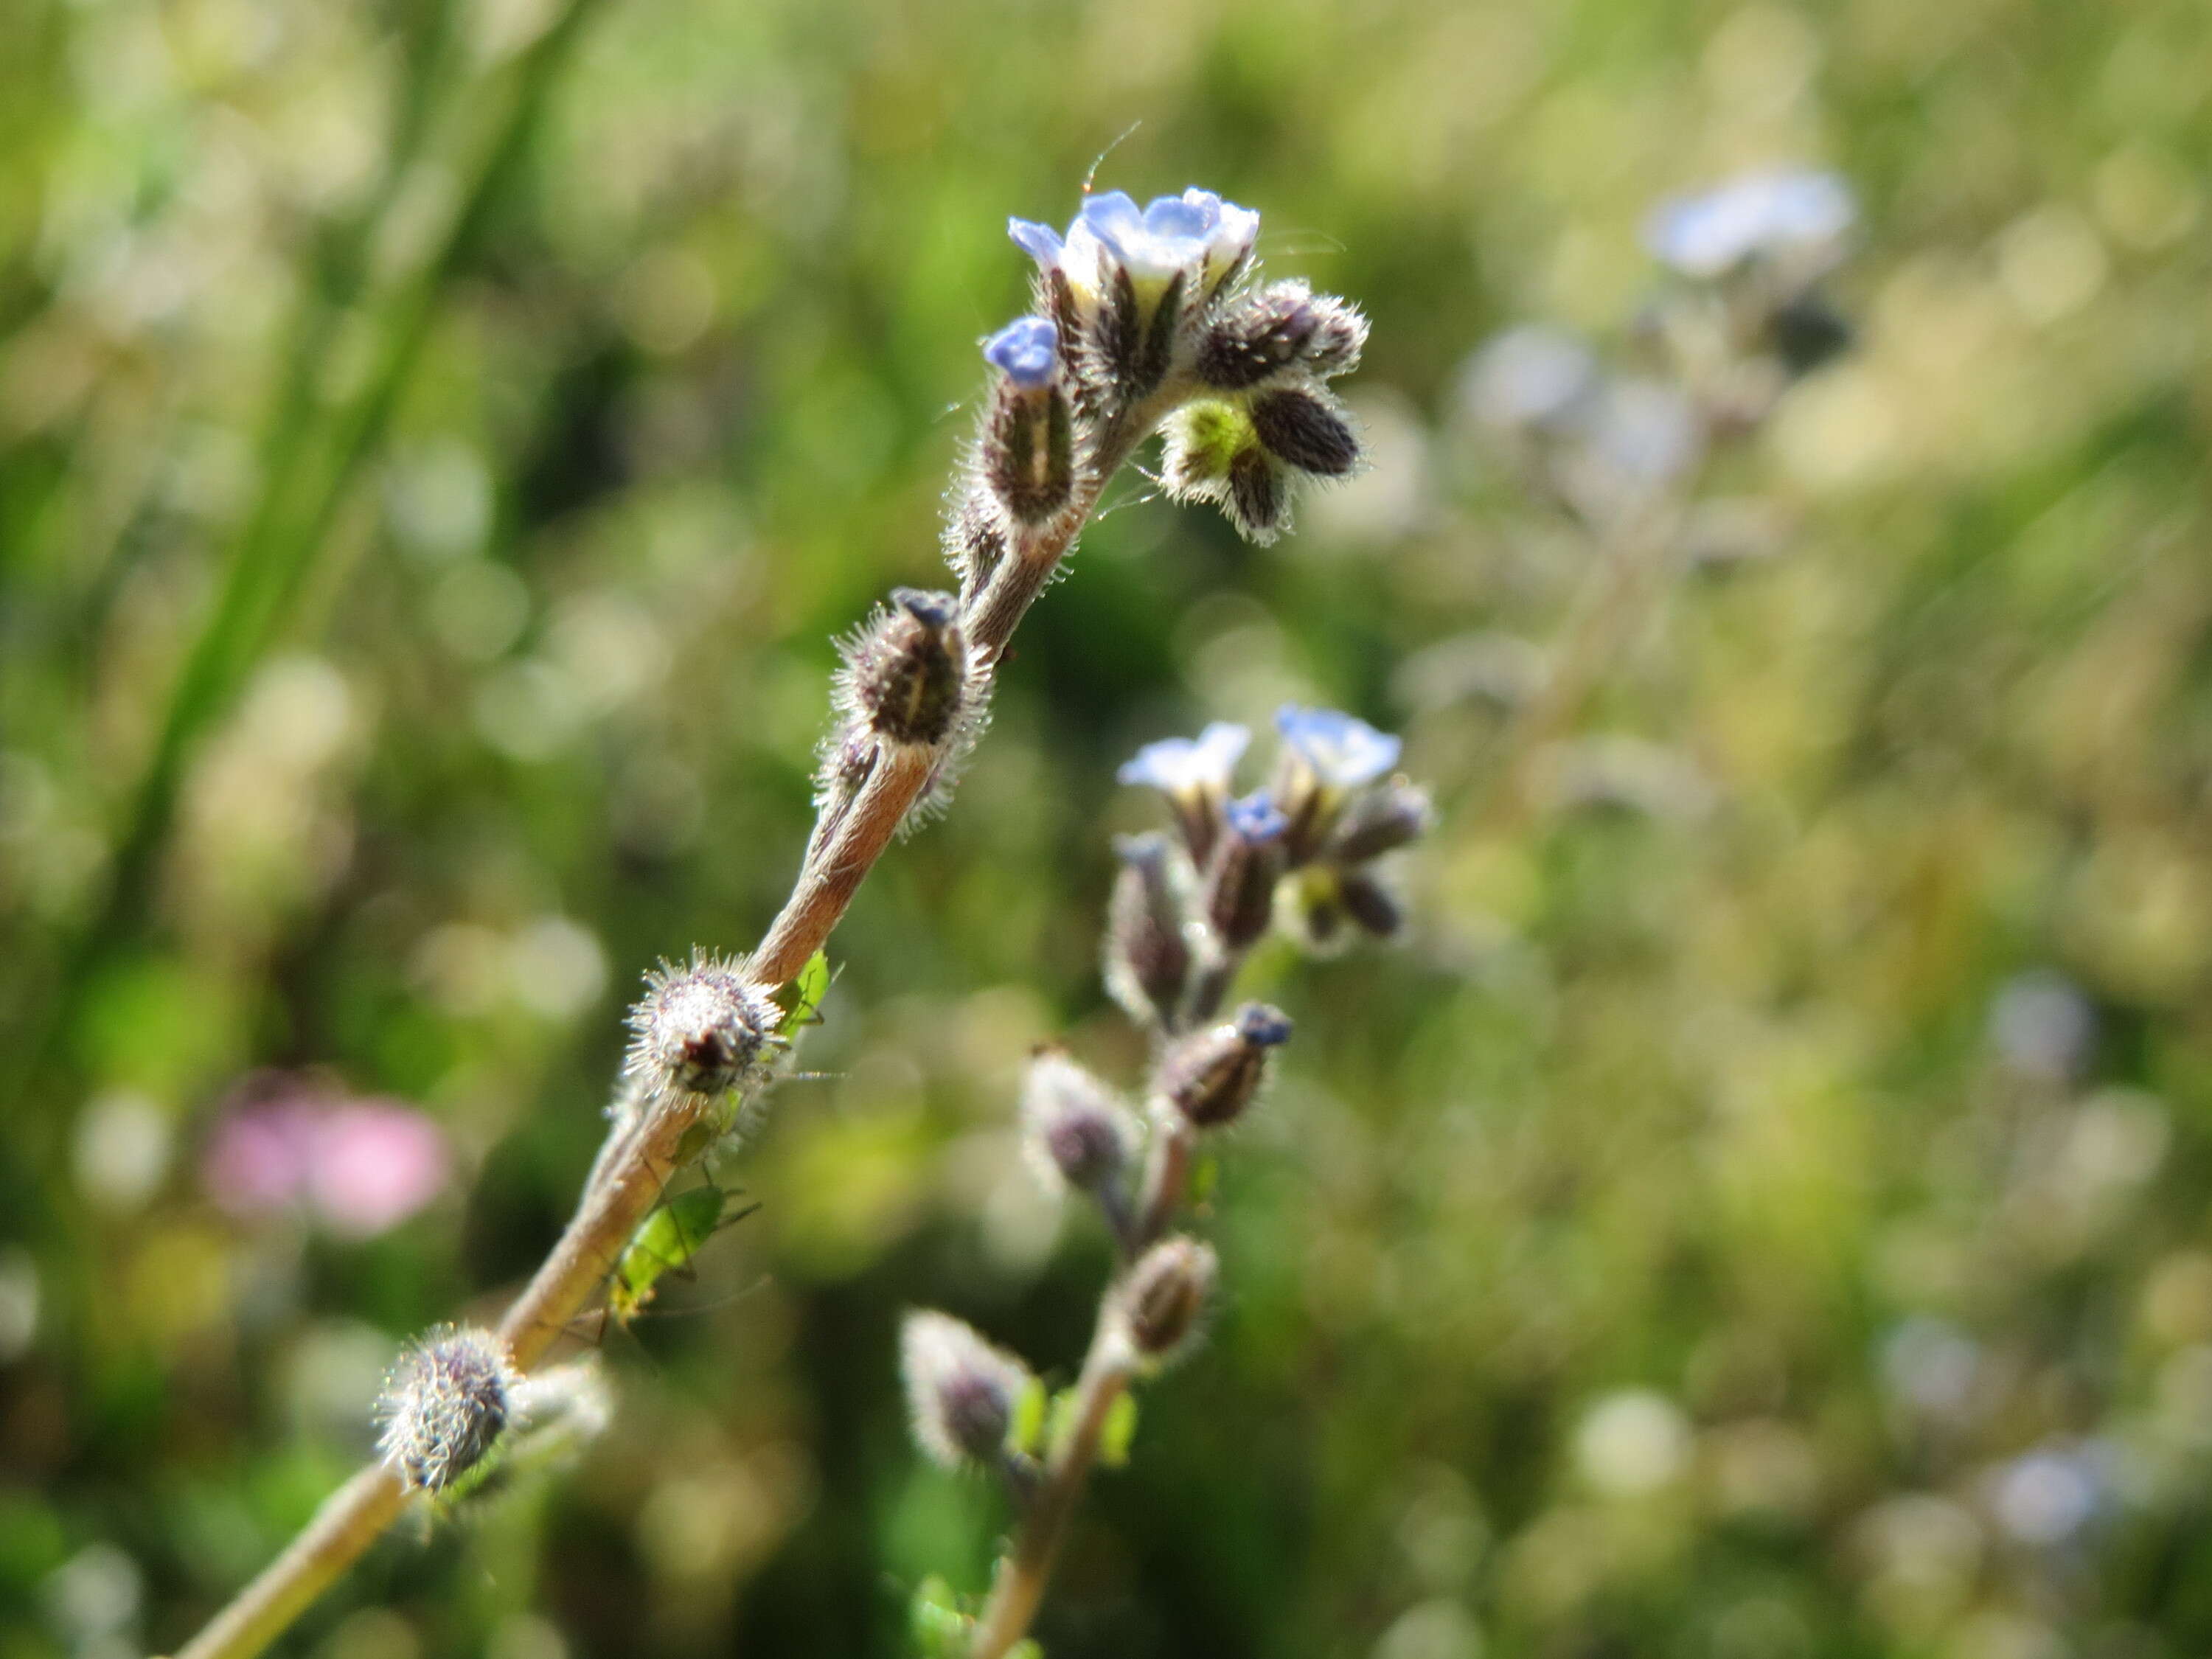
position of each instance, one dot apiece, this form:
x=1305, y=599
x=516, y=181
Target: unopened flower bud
x=1381, y=821
x=1259, y=500
x=1076, y=1128
x=961, y=1391
x=1259, y=335
x=1240, y=873
x=1299, y=427
x=1213, y=454
x=1211, y=1076
x=1309, y=907
x=1164, y=1299
x=906, y=671
x=445, y=1407
x=700, y=1029
x=976, y=541
x=1148, y=957
x=1029, y=438
x=1372, y=904
x=1807, y=332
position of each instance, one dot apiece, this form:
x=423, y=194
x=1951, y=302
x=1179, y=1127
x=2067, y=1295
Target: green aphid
x=666, y=1240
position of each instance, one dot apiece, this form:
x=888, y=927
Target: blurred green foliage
x=1769, y=1221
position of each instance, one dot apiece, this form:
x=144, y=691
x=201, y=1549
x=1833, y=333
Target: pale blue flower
x=1529, y=377
x=1178, y=766
x=1026, y=348
x=1798, y=215
x=1231, y=232
x=1152, y=244
x=1196, y=232
x=1256, y=817
x=1041, y=242
x=1344, y=752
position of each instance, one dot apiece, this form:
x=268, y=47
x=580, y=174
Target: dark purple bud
x=1300, y=429
x=1029, y=450
x=1241, y=872
x=1379, y=821
x=1371, y=904
x=1259, y=503
x=906, y=673
x=1807, y=333
x=1164, y=1299
x=1075, y=1127
x=1148, y=957
x=961, y=1391
x=1260, y=334
x=1211, y=1076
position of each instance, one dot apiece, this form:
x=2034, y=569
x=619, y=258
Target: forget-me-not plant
x=1186, y=912
x=1141, y=320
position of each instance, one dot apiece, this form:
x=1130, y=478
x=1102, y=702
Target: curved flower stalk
x=1137, y=313
x=1186, y=909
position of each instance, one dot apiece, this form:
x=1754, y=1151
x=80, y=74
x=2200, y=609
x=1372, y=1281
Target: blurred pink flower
x=358, y=1166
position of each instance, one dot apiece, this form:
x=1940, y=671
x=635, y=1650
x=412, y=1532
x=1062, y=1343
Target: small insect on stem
x=666, y=1242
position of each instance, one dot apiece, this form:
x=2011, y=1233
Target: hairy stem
x=350, y=1517
x=1167, y=1173
x=647, y=1148
x=1026, y=1569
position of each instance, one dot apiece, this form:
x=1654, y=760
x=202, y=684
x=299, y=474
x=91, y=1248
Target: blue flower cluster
x=1142, y=317
x=1196, y=237
x=1301, y=851
x=1739, y=317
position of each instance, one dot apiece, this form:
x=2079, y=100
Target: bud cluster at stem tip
x=1302, y=854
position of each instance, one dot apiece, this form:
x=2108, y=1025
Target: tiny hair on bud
x=1379, y=821
x=1076, y=1128
x=1299, y=427
x=445, y=1406
x=1283, y=328
x=1148, y=958
x=1241, y=869
x=1028, y=453
x=1164, y=1300
x=702, y=1030
x=976, y=541
x=1212, y=1076
x=906, y=671
x=960, y=1390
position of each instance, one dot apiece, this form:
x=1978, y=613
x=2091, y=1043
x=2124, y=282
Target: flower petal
x=1343, y=750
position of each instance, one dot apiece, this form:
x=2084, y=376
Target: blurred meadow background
x=1763, y=1209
